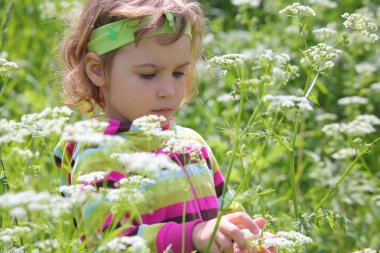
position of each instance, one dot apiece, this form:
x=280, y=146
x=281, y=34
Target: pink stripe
x=107, y=222
x=176, y=210
x=115, y=176
x=112, y=127
x=218, y=178
x=168, y=212
x=204, y=153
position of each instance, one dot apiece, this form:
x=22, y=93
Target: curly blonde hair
x=77, y=86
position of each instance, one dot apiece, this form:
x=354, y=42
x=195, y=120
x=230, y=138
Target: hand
x=228, y=233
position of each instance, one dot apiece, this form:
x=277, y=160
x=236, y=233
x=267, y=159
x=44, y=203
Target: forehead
x=153, y=51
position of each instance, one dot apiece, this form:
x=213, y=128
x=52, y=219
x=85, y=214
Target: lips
x=166, y=111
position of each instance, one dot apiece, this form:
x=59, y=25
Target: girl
x=134, y=58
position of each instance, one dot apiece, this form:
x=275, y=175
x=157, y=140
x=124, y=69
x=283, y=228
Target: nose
x=166, y=88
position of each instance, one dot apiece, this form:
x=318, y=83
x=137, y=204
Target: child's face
x=147, y=79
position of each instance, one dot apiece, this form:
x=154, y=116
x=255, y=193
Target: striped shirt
x=160, y=224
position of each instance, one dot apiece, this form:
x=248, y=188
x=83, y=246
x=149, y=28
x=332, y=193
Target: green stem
x=184, y=221
x=346, y=172
x=234, y=151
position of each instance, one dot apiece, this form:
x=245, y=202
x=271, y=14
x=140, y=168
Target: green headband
x=122, y=32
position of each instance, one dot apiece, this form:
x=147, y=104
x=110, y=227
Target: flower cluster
x=92, y=177
x=145, y=163
x=181, y=145
x=49, y=121
x=360, y=24
x=43, y=202
x=149, y=124
x=280, y=69
x=7, y=67
x=375, y=87
x=352, y=100
x=324, y=33
x=10, y=234
x=344, y=153
x=366, y=250
x=253, y=3
x=361, y=125
x=325, y=3
x=297, y=9
x=124, y=244
x=89, y=131
x=285, y=102
x=321, y=57
x=228, y=60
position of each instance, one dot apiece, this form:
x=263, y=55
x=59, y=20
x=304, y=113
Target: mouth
x=164, y=111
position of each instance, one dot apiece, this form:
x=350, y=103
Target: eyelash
x=176, y=74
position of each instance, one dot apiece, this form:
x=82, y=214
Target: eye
x=178, y=74
x=147, y=76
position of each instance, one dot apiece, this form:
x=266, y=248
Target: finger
x=215, y=248
x=224, y=242
x=273, y=249
x=260, y=221
x=243, y=220
x=233, y=232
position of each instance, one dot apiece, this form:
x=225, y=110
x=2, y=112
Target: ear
x=94, y=69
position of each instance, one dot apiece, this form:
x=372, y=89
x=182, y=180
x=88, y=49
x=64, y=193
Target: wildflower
x=366, y=250
x=92, y=177
x=253, y=3
x=325, y=3
x=297, y=9
x=298, y=238
x=324, y=33
x=282, y=102
x=228, y=60
x=136, y=180
x=375, y=87
x=227, y=97
x=89, y=131
x=360, y=24
x=25, y=153
x=6, y=67
x=149, y=124
x=17, y=212
x=344, y=153
x=352, y=100
x=181, y=145
x=320, y=57
x=325, y=116
x=361, y=125
x=10, y=234
x=72, y=189
x=125, y=195
x=49, y=245
x=145, y=163
x=365, y=68
x=280, y=243
x=123, y=243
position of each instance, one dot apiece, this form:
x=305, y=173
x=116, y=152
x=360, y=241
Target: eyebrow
x=151, y=65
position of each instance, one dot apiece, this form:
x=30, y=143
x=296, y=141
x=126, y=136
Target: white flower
x=92, y=177
x=365, y=68
x=344, y=153
x=89, y=131
x=361, y=125
x=146, y=163
x=227, y=97
x=360, y=24
x=326, y=116
x=297, y=9
x=325, y=3
x=366, y=250
x=368, y=118
x=136, y=180
x=280, y=243
x=321, y=56
x=149, y=124
x=76, y=188
x=296, y=237
x=352, y=100
x=121, y=244
x=181, y=145
x=9, y=234
x=7, y=67
x=228, y=60
x=17, y=212
x=282, y=102
x=324, y=33
x=375, y=87
x=253, y=3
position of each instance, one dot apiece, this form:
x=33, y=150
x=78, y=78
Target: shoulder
x=190, y=134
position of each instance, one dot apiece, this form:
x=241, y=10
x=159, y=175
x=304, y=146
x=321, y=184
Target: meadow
x=288, y=101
